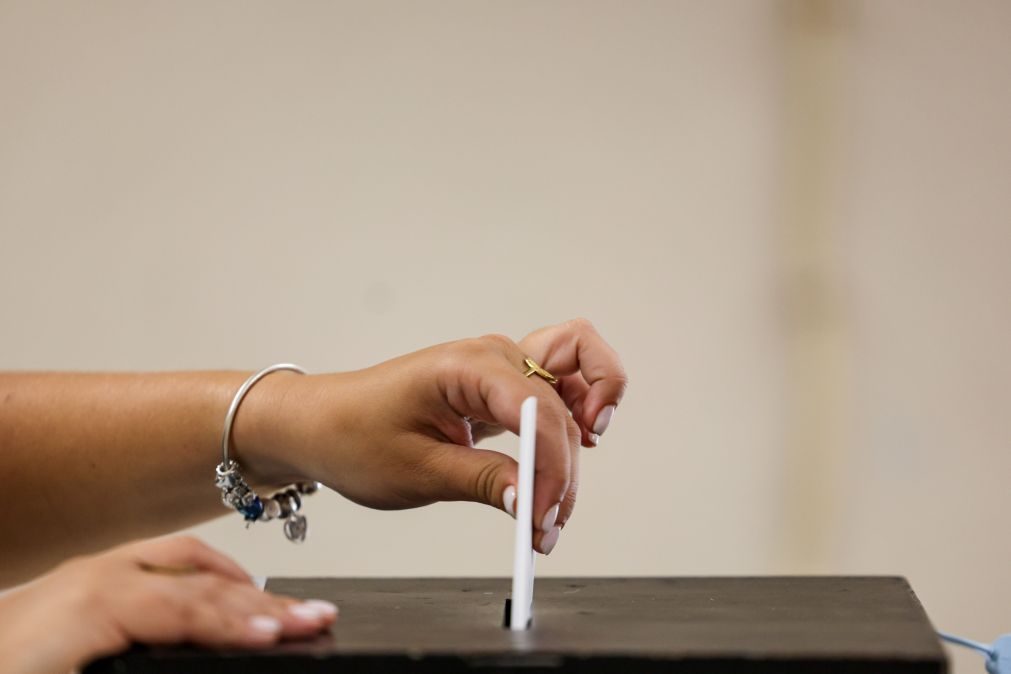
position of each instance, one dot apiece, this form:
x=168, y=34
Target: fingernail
x=593, y=438
x=303, y=612
x=264, y=624
x=550, y=517
x=325, y=608
x=509, y=500
x=549, y=540
x=603, y=420
x=313, y=610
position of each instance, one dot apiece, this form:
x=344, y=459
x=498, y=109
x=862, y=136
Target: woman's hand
x=160, y=591
x=401, y=434
x=396, y=435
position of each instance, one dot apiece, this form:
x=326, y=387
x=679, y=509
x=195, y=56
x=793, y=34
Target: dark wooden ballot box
x=627, y=625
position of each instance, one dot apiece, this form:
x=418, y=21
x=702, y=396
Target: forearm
x=87, y=460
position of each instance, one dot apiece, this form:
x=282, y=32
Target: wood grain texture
x=768, y=624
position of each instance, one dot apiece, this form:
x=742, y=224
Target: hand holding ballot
x=402, y=434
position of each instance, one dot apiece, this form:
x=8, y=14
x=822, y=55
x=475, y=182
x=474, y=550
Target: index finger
x=179, y=552
x=575, y=347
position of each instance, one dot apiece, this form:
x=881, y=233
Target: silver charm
x=295, y=528
x=307, y=487
x=271, y=510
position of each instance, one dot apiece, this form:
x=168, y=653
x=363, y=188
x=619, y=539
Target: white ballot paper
x=521, y=608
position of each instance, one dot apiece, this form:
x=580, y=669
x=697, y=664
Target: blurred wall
x=792, y=222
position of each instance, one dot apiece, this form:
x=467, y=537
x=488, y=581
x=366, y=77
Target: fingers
x=211, y=610
x=188, y=551
x=569, y=502
x=491, y=388
x=576, y=348
x=546, y=537
x=177, y=588
x=557, y=439
x=240, y=615
x=295, y=619
x=573, y=389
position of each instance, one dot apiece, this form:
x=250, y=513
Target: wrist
x=268, y=431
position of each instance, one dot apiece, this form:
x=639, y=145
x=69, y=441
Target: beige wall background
x=792, y=219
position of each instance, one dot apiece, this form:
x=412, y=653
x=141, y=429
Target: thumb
x=469, y=474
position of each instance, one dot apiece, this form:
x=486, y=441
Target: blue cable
x=969, y=643
x=998, y=655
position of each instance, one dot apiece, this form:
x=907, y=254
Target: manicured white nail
x=593, y=438
x=603, y=420
x=313, y=609
x=324, y=608
x=550, y=517
x=509, y=500
x=549, y=540
x=264, y=624
x=304, y=612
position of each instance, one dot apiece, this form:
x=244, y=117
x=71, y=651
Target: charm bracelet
x=236, y=493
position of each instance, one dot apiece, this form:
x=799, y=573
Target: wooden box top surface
x=762, y=624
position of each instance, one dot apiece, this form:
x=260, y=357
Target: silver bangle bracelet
x=236, y=493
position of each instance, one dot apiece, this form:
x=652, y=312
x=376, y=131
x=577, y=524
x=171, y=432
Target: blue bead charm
x=283, y=504
x=252, y=511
